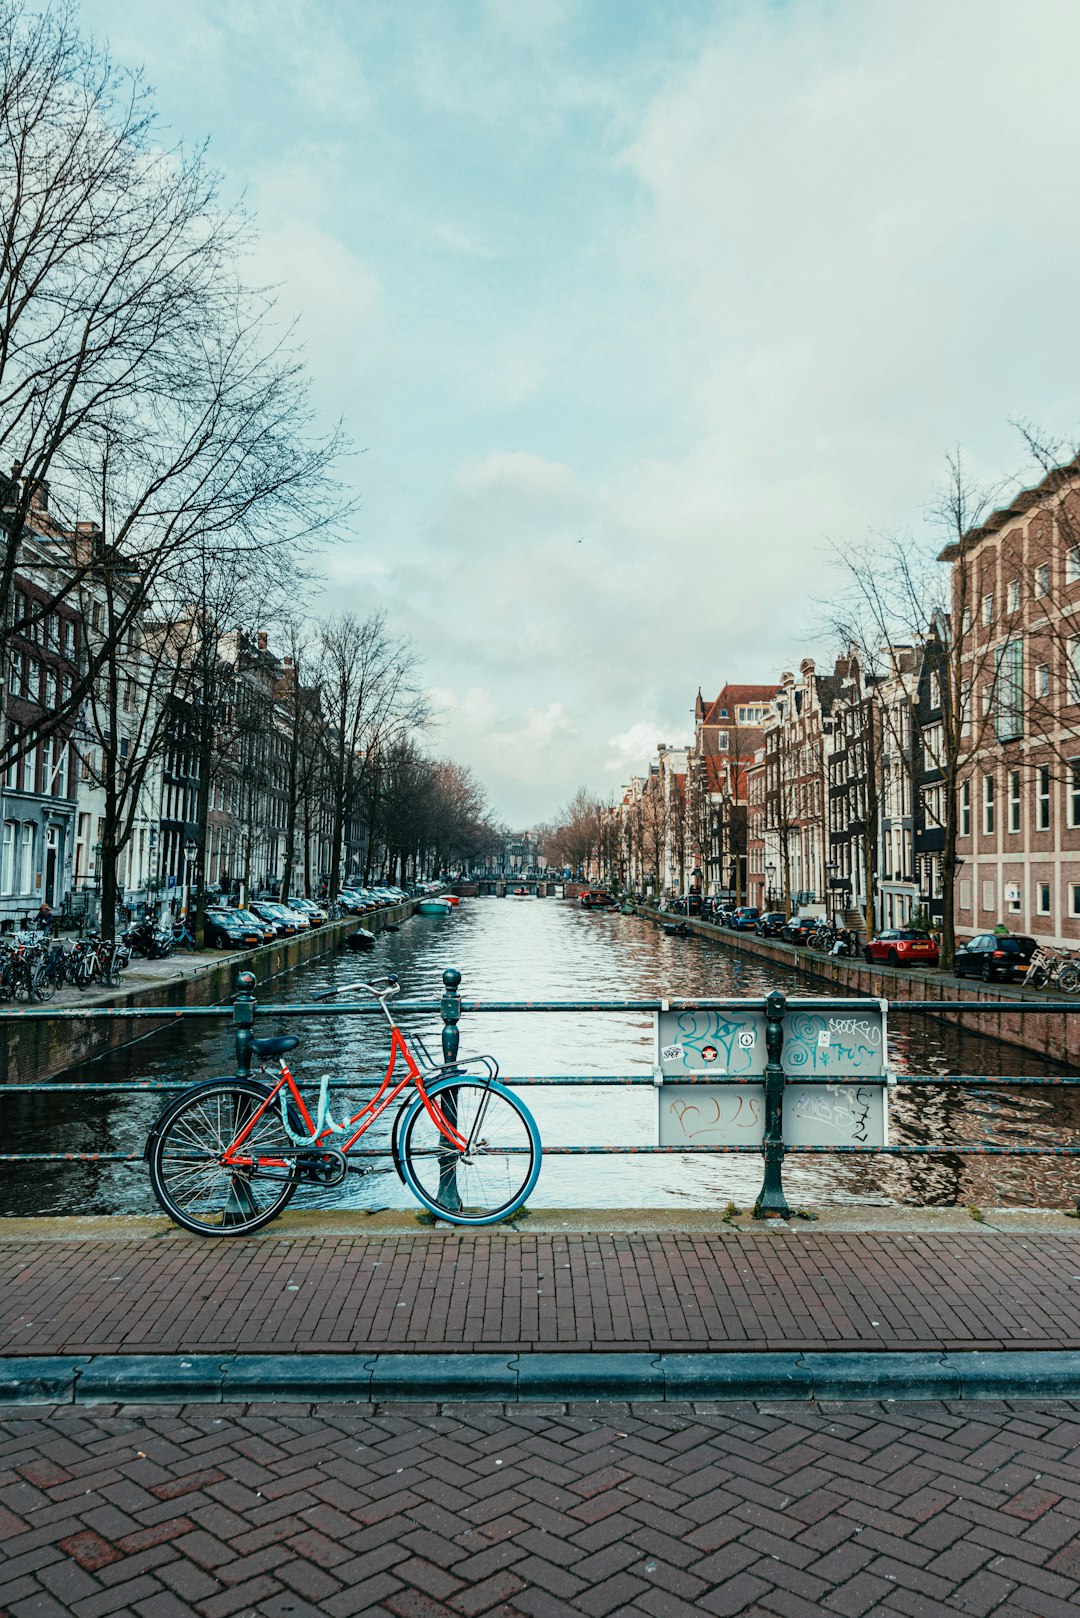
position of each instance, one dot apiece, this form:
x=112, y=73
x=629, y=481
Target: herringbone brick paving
x=528, y=1511
x=798, y=1290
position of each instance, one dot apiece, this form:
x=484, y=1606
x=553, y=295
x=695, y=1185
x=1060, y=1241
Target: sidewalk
x=794, y=1288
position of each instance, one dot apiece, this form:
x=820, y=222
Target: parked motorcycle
x=147, y=940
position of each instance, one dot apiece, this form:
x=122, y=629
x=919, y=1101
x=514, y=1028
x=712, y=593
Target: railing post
x=243, y=1022
x=450, y=1009
x=771, y=1202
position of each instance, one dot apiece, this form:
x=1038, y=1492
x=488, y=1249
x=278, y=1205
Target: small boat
x=361, y=939
x=596, y=899
x=677, y=929
x=520, y=893
x=435, y=907
x=451, y=899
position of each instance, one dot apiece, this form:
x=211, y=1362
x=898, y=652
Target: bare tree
x=899, y=594
x=370, y=696
x=141, y=385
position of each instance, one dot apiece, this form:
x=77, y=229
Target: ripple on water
x=550, y=949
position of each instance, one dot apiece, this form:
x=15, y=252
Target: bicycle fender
x=395, y=1136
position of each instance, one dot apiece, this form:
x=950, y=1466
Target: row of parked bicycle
x=35, y=966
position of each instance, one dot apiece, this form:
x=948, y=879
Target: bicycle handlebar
x=390, y=982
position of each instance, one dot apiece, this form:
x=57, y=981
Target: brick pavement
x=458, y=1511
x=798, y=1290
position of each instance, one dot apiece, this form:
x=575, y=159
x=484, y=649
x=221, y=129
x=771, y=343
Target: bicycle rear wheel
x=1069, y=978
x=190, y=1181
x=499, y=1167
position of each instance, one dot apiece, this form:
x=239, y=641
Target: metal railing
x=774, y=1080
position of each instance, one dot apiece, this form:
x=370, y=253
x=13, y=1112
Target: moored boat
x=361, y=939
x=435, y=907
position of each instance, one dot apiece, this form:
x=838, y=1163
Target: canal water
x=518, y=949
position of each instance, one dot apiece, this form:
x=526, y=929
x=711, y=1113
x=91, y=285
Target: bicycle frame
x=387, y=1093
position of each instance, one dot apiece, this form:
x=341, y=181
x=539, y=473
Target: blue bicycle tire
x=524, y=1150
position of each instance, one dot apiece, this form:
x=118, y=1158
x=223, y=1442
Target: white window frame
x=1072, y=565
x=1042, y=680
x=989, y=805
x=1041, y=576
x=1014, y=801
x=988, y=609
x=1013, y=595
x=1042, y=799
x=965, y=809
x=1042, y=898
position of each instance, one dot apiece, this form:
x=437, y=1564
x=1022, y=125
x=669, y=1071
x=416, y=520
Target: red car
x=902, y=946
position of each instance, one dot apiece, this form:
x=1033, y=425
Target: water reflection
x=548, y=949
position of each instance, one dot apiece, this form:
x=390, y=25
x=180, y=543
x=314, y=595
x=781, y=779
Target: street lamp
x=191, y=848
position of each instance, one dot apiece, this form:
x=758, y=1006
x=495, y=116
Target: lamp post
x=191, y=848
x=770, y=870
x=830, y=867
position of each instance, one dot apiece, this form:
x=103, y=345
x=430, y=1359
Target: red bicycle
x=226, y=1157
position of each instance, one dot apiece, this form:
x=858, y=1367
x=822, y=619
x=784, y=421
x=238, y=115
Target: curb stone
x=508, y=1379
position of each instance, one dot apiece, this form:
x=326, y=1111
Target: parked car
x=798, y=929
x=284, y=922
x=1028, y=946
x=267, y=928
x=315, y=914
x=771, y=924
x=229, y=929
x=902, y=946
x=745, y=918
x=988, y=957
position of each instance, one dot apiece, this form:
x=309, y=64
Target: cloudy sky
x=634, y=307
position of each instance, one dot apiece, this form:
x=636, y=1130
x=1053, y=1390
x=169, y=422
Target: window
x=965, y=809
x=722, y=740
x=7, y=857
x=1072, y=564
x=15, y=678
x=1009, y=691
x=1042, y=579
x=50, y=689
x=1014, y=595
x=1042, y=898
x=1074, y=899
x=988, y=608
x=965, y=621
x=1014, y=800
x=965, y=706
x=1042, y=799
x=988, y=804
x=1042, y=680
x=69, y=639
x=1074, y=669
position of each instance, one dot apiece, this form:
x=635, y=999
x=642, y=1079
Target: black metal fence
x=776, y=1009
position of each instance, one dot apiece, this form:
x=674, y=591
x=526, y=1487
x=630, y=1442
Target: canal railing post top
x=243, y=1022
x=771, y=1202
x=450, y=1010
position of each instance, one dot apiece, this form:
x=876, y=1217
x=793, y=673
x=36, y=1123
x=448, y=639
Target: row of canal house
x=144, y=724
x=838, y=786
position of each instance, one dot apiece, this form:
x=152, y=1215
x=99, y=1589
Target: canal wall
x=33, y=1049
x=1052, y=1034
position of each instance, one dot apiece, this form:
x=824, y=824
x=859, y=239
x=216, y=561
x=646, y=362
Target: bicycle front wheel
x=191, y=1182
x=1069, y=978
x=499, y=1166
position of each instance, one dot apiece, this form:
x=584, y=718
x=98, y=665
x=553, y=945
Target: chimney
x=261, y=638
x=39, y=495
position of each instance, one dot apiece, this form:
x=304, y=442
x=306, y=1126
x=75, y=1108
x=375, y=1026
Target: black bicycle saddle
x=276, y=1045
